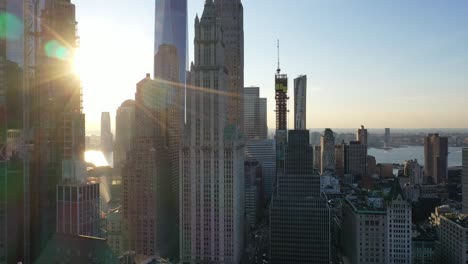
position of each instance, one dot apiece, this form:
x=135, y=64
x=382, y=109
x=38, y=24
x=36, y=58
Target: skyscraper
x=264, y=151
x=171, y=29
x=355, y=159
x=166, y=70
x=327, y=152
x=12, y=164
x=255, y=115
x=465, y=180
x=436, y=158
x=212, y=155
x=299, y=215
x=107, y=139
x=231, y=18
x=387, y=138
x=146, y=182
x=56, y=115
x=361, y=135
x=399, y=224
x=339, y=160
x=300, y=99
x=124, y=130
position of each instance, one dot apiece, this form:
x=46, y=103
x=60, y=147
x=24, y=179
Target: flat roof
x=360, y=206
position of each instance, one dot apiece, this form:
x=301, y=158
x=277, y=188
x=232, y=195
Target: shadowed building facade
x=299, y=214
x=124, y=129
x=212, y=155
x=436, y=159
x=255, y=115
x=56, y=115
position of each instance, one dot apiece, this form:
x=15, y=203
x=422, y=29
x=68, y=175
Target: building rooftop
x=459, y=219
x=360, y=205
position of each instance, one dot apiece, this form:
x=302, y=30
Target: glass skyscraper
x=171, y=28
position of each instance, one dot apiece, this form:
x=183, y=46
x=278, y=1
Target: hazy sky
x=392, y=63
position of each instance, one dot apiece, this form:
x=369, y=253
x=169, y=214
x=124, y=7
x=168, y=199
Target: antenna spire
x=278, y=46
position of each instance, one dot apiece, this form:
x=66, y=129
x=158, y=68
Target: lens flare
x=11, y=28
x=53, y=49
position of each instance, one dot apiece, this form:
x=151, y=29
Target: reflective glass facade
x=171, y=28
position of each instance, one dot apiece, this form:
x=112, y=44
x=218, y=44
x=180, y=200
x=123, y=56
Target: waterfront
x=98, y=158
x=399, y=155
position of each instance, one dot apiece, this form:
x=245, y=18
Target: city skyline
x=419, y=58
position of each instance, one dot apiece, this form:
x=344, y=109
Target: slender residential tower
x=300, y=100
x=327, y=143
x=212, y=156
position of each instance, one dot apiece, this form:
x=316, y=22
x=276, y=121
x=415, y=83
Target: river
x=399, y=155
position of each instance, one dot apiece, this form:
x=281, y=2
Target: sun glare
x=78, y=63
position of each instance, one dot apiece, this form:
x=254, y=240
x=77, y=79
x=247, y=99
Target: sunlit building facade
x=124, y=130
x=327, y=143
x=300, y=102
x=255, y=115
x=436, y=159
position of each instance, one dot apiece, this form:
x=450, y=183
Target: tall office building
x=166, y=70
x=299, y=215
x=300, y=100
x=212, y=155
x=107, y=139
x=453, y=238
x=377, y=230
x=318, y=157
x=171, y=29
x=13, y=226
x=355, y=159
x=436, y=158
x=387, y=137
x=465, y=180
x=339, y=160
x=253, y=192
x=255, y=115
x=399, y=224
x=231, y=17
x=327, y=144
x=124, y=130
x=56, y=115
x=364, y=230
x=148, y=196
x=361, y=135
x=264, y=151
